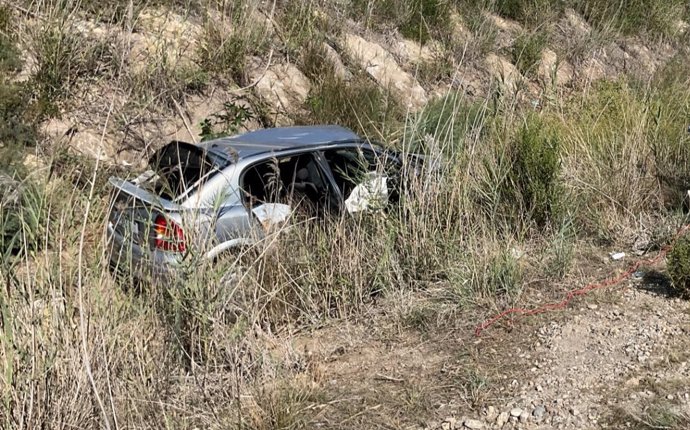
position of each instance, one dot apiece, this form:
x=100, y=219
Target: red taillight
x=169, y=235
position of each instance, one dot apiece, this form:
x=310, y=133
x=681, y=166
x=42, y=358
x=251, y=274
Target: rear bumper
x=131, y=260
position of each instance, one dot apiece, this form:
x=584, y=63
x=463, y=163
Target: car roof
x=280, y=139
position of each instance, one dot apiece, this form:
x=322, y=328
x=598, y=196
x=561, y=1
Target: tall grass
x=504, y=197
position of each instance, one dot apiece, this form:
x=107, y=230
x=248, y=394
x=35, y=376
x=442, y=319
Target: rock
x=502, y=419
x=539, y=412
x=284, y=87
x=163, y=36
x=515, y=412
x=615, y=256
x=592, y=70
x=503, y=71
x=577, y=23
x=574, y=412
x=446, y=426
x=381, y=66
x=473, y=424
x=504, y=24
x=413, y=52
x=554, y=70
x=490, y=413
x=524, y=416
x=334, y=58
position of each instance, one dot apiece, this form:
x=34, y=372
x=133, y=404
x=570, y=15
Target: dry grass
x=81, y=348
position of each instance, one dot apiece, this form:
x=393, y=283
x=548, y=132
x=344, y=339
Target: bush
x=225, y=52
x=301, y=24
x=528, y=12
x=419, y=20
x=17, y=118
x=679, y=266
x=667, y=133
x=358, y=104
x=526, y=52
x=657, y=18
x=22, y=213
x=451, y=119
x=536, y=169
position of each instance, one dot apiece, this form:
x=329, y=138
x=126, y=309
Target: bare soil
x=617, y=358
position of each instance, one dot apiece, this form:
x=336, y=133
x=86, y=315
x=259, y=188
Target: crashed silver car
x=201, y=200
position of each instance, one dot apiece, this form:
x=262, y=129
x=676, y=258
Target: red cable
x=613, y=280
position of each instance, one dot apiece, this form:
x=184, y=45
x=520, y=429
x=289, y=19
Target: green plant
x=358, y=104
x=451, y=119
x=302, y=23
x=634, y=16
x=63, y=56
x=225, y=44
x=535, y=173
x=667, y=131
x=22, y=216
x=17, y=114
x=419, y=20
x=526, y=52
x=531, y=13
x=314, y=62
x=425, y=19
x=230, y=120
x=678, y=264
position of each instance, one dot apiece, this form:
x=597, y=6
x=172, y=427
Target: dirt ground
x=617, y=358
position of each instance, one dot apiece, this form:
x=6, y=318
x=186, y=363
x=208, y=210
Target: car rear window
x=181, y=166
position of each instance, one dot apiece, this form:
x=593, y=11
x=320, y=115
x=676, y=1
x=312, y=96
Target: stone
x=539, y=412
x=284, y=87
x=502, y=419
x=515, y=412
x=334, y=58
x=474, y=424
x=503, y=71
x=382, y=67
x=524, y=416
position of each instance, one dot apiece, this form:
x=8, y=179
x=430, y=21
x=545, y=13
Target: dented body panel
x=201, y=201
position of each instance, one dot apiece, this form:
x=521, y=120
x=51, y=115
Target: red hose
x=613, y=280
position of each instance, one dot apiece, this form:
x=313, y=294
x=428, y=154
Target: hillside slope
x=556, y=133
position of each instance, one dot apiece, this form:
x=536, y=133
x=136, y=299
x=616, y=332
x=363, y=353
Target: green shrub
x=451, y=119
x=225, y=52
x=63, y=56
x=679, y=266
x=535, y=172
x=425, y=19
x=17, y=116
x=314, y=62
x=358, y=104
x=226, y=122
x=22, y=216
x=526, y=52
x=657, y=18
x=418, y=20
x=532, y=13
x=669, y=140
x=301, y=23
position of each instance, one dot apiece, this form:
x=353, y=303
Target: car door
x=366, y=179
x=296, y=180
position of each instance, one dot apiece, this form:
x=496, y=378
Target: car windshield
x=179, y=167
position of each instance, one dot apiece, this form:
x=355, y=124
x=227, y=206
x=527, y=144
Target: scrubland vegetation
x=521, y=187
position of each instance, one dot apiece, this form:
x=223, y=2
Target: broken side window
x=295, y=180
x=179, y=167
